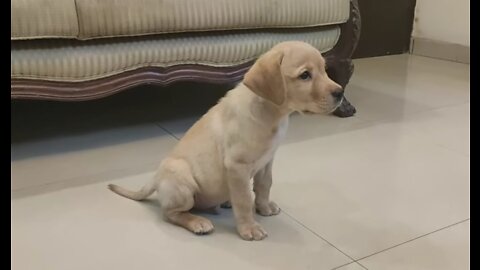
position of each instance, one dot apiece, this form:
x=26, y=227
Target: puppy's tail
x=142, y=194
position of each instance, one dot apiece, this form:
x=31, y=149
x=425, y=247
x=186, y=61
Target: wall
x=386, y=27
x=443, y=20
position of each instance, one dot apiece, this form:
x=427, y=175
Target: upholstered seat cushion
x=73, y=60
x=87, y=19
x=43, y=19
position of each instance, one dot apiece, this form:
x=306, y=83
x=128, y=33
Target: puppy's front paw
x=252, y=232
x=201, y=226
x=268, y=209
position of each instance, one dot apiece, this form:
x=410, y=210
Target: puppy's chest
x=267, y=155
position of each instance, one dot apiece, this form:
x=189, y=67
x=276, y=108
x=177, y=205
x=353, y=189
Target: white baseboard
x=440, y=50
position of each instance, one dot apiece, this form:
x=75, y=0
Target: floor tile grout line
x=46, y=185
x=167, y=131
x=355, y=262
x=446, y=147
x=386, y=120
x=319, y=236
x=59, y=182
x=379, y=121
x=435, y=58
x=436, y=143
x=413, y=239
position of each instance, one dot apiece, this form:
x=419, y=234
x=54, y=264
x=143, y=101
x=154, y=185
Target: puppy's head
x=292, y=75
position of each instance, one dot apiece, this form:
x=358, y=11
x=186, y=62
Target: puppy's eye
x=305, y=75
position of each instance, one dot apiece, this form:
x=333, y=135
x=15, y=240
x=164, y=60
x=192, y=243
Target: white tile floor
x=386, y=189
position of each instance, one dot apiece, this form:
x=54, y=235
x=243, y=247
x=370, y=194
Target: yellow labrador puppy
x=236, y=140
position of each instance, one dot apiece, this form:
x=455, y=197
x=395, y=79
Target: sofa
x=74, y=50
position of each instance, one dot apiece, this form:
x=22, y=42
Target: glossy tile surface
x=364, y=192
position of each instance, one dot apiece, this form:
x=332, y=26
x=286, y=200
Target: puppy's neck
x=261, y=109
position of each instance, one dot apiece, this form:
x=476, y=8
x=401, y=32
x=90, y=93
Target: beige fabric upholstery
x=71, y=60
x=101, y=18
x=106, y=18
x=43, y=19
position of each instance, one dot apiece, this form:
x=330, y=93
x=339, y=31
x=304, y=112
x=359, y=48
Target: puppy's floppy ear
x=265, y=77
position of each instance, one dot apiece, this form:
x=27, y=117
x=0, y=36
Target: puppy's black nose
x=338, y=94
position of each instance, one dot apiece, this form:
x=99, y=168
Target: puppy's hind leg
x=176, y=191
x=176, y=201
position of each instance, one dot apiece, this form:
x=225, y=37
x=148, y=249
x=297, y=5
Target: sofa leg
x=339, y=58
x=340, y=71
x=345, y=109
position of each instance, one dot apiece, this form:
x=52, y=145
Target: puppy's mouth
x=309, y=112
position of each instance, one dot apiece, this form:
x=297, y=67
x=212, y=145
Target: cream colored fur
x=236, y=140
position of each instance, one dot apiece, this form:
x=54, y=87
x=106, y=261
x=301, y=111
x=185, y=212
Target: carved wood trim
x=93, y=89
